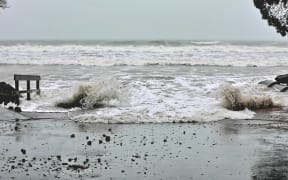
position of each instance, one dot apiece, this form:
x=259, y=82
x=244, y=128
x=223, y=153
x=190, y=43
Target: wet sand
x=50, y=146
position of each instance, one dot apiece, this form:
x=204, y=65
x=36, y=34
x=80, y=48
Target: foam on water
x=150, y=106
x=234, y=100
x=149, y=97
x=193, y=53
x=151, y=82
x=90, y=96
x=157, y=106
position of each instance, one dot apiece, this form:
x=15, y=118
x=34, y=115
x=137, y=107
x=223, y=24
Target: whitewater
x=146, y=81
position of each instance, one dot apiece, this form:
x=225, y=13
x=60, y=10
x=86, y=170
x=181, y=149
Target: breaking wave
x=93, y=96
x=234, y=100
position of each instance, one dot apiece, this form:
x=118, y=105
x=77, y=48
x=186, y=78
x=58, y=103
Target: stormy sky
x=134, y=20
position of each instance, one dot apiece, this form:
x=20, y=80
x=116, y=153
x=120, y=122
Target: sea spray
x=234, y=99
x=90, y=96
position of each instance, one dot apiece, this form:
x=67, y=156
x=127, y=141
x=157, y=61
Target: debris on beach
x=23, y=151
x=76, y=167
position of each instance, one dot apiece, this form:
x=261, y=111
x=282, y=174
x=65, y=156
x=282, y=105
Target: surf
x=94, y=95
x=233, y=99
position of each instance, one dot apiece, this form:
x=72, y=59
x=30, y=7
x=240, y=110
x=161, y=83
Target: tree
x=275, y=12
x=3, y=4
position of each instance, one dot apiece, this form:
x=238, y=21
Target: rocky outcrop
x=282, y=79
x=8, y=94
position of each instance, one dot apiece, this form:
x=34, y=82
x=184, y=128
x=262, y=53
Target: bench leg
x=16, y=85
x=38, y=87
x=28, y=90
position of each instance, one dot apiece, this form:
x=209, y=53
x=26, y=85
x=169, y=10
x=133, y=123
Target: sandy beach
x=50, y=146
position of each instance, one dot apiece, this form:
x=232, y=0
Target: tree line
x=275, y=12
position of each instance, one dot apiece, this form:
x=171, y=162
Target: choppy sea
x=145, y=81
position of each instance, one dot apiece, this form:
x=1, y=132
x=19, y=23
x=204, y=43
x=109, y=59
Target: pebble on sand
x=23, y=151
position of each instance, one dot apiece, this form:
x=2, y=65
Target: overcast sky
x=134, y=19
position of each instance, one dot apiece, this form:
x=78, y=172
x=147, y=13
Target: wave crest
x=91, y=96
x=233, y=99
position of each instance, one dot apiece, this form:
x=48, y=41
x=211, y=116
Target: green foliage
x=275, y=12
x=3, y=4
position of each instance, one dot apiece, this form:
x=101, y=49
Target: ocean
x=146, y=81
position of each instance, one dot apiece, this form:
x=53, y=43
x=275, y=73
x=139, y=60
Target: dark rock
x=107, y=138
x=282, y=79
x=136, y=156
x=58, y=157
x=72, y=135
x=23, y=151
x=17, y=109
x=89, y=143
x=10, y=108
x=76, y=167
x=8, y=94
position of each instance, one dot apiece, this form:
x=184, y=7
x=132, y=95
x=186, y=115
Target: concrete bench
x=27, y=78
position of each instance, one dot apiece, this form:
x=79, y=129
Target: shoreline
x=54, y=147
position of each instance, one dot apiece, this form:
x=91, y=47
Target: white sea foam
x=234, y=99
x=157, y=106
x=88, y=96
x=155, y=83
x=146, y=96
x=211, y=53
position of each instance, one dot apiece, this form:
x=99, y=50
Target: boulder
x=8, y=94
x=282, y=79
